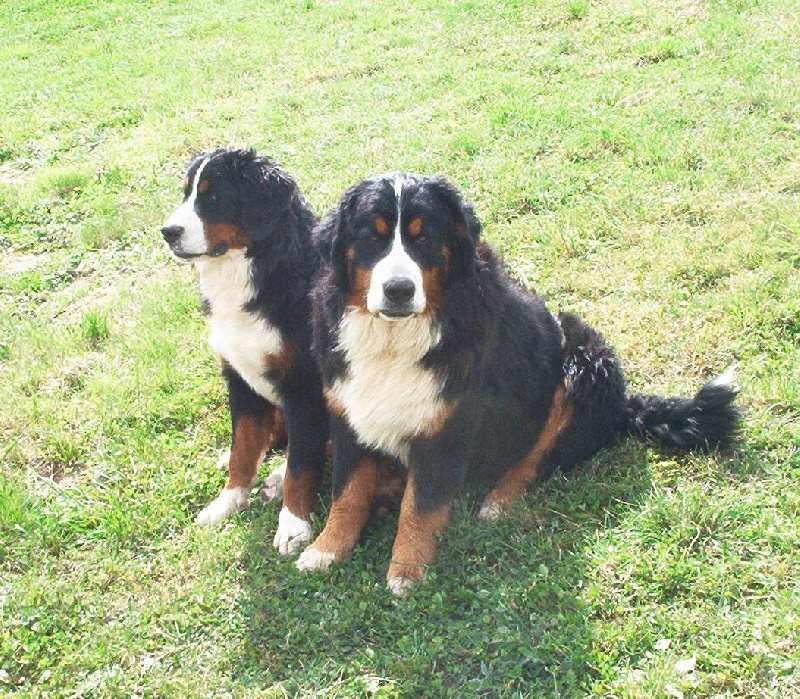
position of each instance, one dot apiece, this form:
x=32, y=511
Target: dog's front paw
x=401, y=577
x=400, y=585
x=312, y=559
x=273, y=484
x=490, y=510
x=227, y=503
x=293, y=533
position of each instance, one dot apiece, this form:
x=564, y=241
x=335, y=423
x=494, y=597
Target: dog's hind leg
x=518, y=477
x=586, y=415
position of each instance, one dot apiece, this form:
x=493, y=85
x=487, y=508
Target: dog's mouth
x=395, y=314
x=217, y=251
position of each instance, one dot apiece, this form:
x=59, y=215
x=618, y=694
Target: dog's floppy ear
x=466, y=224
x=265, y=195
x=330, y=237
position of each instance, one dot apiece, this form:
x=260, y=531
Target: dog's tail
x=708, y=421
x=605, y=411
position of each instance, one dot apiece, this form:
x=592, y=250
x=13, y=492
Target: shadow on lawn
x=502, y=613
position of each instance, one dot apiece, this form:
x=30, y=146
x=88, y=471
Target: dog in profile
x=433, y=355
x=246, y=228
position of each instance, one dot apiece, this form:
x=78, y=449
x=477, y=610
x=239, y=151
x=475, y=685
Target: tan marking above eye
x=186, y=183
x=381, y=225
x=204, y=186
x=415, y=227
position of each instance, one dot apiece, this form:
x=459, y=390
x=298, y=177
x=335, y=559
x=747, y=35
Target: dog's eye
x=421, y=238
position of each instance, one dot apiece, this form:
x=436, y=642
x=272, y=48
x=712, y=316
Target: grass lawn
x=637, y=162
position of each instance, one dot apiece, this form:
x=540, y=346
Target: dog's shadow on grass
x=505, y=609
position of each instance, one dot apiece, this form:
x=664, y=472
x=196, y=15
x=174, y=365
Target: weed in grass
x=95, y=327
x=577, y=10
x=61, y=183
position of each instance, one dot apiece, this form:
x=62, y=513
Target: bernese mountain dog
x=246, y=227
x=431, y=354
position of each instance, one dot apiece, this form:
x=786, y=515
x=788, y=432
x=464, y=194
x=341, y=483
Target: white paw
x=228, y=502
x=273, y=484
x=224, y=460
x=292, y=534
x=400, y=586
x=490, y=511
x=311, y=559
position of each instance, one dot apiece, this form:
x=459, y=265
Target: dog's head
x=395, y=242
x=231, y=200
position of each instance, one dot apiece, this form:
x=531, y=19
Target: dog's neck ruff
x=388, y=396
x=242, y=338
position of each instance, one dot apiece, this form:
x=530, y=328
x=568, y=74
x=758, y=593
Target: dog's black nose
x=399, y=289
x=172, y=233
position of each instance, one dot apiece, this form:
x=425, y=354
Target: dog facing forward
x=247, y=229
x=432, y=355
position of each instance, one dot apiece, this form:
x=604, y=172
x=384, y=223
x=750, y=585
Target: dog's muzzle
x=172, y=235
x=398, y=298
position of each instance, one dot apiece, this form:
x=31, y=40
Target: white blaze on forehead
x=193, y=239
x=396, y=264
x=398, y=191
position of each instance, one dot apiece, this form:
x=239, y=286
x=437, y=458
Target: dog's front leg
x=417, y=537
x=356, y=475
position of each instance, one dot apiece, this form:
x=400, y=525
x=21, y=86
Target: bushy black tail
x=710, y=420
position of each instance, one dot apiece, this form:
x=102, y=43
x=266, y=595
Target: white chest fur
x=387, y=395
x=240, y=337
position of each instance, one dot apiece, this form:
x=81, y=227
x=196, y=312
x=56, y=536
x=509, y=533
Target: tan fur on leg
x=349, y=513
x=514, y=482
x=250, y=441
x=415, y=544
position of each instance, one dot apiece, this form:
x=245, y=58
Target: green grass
x=635, y=161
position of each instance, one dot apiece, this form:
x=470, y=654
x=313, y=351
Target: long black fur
x=707, y=421
x=502, y=357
